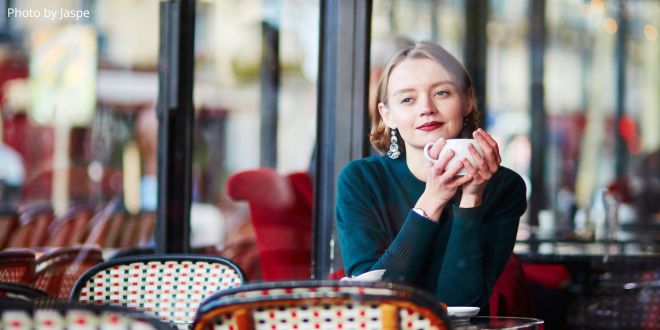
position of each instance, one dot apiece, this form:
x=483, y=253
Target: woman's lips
x=430, y=126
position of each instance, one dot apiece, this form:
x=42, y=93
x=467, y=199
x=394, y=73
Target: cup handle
x=427, y=147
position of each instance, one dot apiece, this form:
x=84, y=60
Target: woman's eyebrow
x=435, y=84
x=404, y=90
x=443, y=82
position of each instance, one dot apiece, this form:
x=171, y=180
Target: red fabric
x=550, y=276
x=281, y=210
x=337, y=275
x=511, y=295
x=59, y=269
x=17, y=266
x=10, y=70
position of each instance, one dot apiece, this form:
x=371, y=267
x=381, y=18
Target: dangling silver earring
x=394, y=152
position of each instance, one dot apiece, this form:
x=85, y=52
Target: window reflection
x=79, y=126
x=72, y=90
x=580, y=103
x=230, y=91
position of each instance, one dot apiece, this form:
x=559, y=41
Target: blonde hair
x=380, y=134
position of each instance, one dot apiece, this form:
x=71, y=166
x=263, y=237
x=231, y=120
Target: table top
x=497, y=322
x=575, y=251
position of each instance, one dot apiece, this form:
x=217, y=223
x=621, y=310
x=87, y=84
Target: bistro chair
x=137, y=229
x=58, y=270
x=33, y=226
x=22, y=292
x=17, y=266
x=170, y=287
x=8, y=221
x=50, y=315
x=106, y=227
x=133, y=252
x=71, y=228
x=321, y=305
x=242, y=251
x=281, y=212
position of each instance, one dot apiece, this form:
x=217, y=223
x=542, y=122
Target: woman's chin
x=434, y=136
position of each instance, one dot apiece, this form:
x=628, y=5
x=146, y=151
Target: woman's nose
x=428, y=107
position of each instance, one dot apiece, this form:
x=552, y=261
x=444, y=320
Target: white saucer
x=462, y=312
x=370, y=276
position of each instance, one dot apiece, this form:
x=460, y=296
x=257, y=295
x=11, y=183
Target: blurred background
x=79, y=90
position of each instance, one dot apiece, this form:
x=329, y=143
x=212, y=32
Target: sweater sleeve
x=480, y=242
x=362, y=239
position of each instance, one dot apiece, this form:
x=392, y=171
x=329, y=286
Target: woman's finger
x=482, y=163
x=461, y=180
x=488, y=153
x=487, y=137
x=493, y=144
x=471, y=169
x=440, y=164
x=450, y=173
x=434, y=152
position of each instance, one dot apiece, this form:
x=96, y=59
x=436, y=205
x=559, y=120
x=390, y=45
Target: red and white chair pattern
x=59, y=316
x=17, y=266
x=170, y=287
x=321, y=305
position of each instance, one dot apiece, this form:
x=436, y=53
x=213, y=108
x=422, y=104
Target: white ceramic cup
x=460, y=147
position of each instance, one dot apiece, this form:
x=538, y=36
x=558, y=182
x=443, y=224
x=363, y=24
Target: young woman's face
x=423, y=103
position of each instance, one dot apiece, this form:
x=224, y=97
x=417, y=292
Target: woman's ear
x=385, y=114
x=467, y=110
x=470, y=103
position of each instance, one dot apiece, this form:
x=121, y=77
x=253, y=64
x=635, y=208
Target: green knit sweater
x=458, y=259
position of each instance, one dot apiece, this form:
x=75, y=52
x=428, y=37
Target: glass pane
x=580, y=84
x=265, y=213
x=599, y=105
x=74, y=84
x=582, y=97
x=77, y=149
x=79, y=128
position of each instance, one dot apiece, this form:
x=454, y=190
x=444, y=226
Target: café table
x=497, y=322
x=609, y=282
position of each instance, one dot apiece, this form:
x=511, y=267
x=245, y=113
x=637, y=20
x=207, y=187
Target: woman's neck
x=416, y=162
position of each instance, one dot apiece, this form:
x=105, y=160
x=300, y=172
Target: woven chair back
x=321, y=305
x=170, y=287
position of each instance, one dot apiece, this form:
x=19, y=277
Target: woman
x=426, y=226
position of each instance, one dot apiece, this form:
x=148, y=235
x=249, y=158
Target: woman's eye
x=441, y=93
x=406, y=100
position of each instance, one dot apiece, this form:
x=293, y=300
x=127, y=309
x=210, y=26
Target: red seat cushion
x=510, y=295
x=281, y=211
x=550, y=276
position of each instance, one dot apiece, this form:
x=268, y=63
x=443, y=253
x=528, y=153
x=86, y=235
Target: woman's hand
x=486, y=166
x=441, y=185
